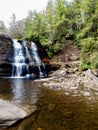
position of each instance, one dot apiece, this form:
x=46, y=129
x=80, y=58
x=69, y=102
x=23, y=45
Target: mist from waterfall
x=27, y=62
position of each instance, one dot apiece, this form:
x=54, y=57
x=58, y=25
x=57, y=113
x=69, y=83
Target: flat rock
x=10, y=113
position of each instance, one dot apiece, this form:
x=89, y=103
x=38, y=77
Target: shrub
x=89, y=53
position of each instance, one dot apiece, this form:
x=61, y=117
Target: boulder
x=10, y=113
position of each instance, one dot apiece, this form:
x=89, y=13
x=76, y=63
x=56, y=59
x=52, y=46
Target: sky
x=20, y=8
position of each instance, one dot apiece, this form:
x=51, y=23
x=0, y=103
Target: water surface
x=19, y=90
x=56, y=111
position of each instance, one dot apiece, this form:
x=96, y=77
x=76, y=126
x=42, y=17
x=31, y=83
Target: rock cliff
x=6, y=54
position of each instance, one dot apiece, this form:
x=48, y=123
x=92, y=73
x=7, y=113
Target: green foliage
x=48, y=27
x=94, y=60
x=61, y=21
x=49, y=52
x=84, y=32
x=84, y=66
x=88, y=45
x=89, y=53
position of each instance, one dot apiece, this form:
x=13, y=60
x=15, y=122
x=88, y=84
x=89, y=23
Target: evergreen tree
x=3, y=29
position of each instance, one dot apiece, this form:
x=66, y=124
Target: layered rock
x=34, y=58
x=6, y=50
x=6, y=54
x=25, y=53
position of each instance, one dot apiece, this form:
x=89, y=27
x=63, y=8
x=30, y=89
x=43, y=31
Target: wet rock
x=6, y=49
x=52, y=67
x=6, y=54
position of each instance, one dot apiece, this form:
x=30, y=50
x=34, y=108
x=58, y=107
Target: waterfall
x=19, y=65
x=27, y=62
x=37, y=59
x=27, y=51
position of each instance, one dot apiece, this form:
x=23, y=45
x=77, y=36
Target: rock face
x=6, y=54
x=10, y=113
x=6, y=50
x=31, y=58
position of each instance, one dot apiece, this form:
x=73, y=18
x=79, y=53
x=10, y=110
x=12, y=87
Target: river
x=55, y=110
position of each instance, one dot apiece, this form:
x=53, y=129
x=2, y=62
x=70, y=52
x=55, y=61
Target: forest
x=59, y=22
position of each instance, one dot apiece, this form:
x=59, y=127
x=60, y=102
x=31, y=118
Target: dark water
x=56, y=111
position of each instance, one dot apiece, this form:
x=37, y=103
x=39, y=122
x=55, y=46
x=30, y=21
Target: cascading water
x=19, y=65
x=27, y=62
x=37, y=59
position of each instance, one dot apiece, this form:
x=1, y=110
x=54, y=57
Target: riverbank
x=67, y=84
x=63, y=103
x=69, y=77
x=73, y=81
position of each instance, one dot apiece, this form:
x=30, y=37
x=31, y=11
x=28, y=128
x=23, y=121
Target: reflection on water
x=19, y=90
x=56, y=111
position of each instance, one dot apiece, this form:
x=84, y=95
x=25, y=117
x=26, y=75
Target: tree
x=3, y=29
x=88, y=36
x=50, y=16
x=60, y=11
x=13, y=20
x=16, y=29
x=36, y=27
x=28, y=25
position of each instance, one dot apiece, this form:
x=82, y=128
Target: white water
x=21, y=54
x=35, y=53
x=19, y=64
x=27, y=52
x=37, y=59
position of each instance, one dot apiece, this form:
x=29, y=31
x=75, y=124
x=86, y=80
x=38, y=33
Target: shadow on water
x=57, y=111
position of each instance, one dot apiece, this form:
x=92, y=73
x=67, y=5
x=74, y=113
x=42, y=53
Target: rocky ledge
x=6, y=50
x=72, y=81
x=6, y=54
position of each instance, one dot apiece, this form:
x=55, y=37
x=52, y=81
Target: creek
x=55, y=110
